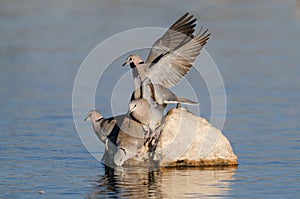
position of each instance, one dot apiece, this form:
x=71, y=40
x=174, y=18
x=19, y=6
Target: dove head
x=133, y=61
x=93, y=115
x=139, y=106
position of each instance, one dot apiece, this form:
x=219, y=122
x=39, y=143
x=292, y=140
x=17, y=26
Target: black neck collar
x=133, y=118
x=98, y=120
x=132, y=65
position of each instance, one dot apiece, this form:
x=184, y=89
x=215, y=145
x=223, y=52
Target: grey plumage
x=163, y=96
x=147, y=114
x=172, y=56
x=120, y=132
x=148, y=109
x=159, y=95
x=177, y=35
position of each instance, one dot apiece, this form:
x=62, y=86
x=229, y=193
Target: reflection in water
x=164, y=183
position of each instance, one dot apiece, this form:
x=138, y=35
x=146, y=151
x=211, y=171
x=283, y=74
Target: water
x=255, y=44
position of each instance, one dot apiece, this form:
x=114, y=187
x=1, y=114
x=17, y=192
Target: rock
x=187, y=140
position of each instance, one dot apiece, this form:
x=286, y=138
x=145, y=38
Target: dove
x=148, y=110
x=171, y=57
x=149, y=116
x=118, y=133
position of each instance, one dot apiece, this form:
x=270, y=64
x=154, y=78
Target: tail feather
x=186, y=101
x=182, y=101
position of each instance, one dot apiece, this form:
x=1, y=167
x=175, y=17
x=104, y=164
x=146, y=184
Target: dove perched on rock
x=148, y=110
x=120, y=134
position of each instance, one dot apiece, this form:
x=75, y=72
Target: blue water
x=255, y=45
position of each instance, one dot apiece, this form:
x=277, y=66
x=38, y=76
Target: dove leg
x=147, y=132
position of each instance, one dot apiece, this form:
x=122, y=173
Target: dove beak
x=131, y=109
x=124, y=63
x=86, y=119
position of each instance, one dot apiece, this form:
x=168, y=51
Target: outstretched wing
x=177, y=35
x=173, y=66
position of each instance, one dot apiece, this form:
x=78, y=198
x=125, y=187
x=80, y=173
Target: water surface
x=255, y=45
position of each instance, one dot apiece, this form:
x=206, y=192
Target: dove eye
x=130, y=59
x=90, y=114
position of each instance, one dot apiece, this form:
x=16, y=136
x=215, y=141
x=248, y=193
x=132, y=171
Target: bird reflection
x=163, y=183
x=126, y=183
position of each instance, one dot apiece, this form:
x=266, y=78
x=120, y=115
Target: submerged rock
x=186, y=140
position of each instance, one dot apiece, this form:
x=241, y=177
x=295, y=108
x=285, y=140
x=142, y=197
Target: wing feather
x=178, y=34
x=173, y=66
